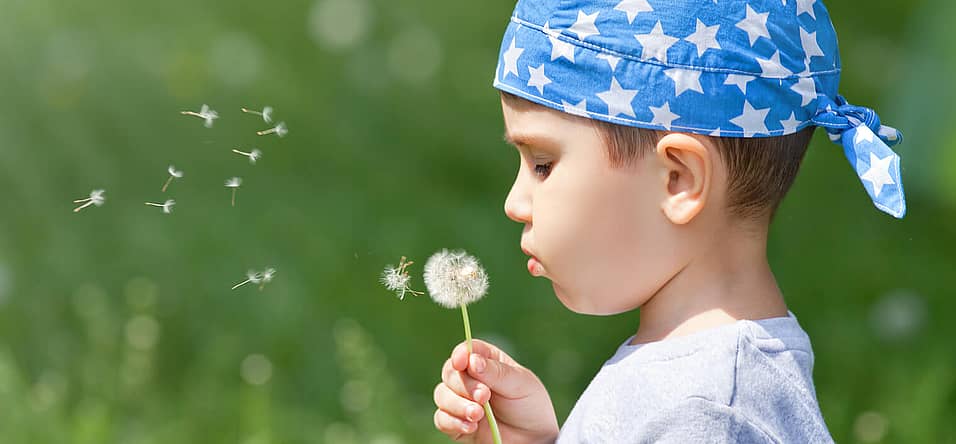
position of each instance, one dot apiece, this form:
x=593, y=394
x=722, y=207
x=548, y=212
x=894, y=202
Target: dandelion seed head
x=174, y=172
x=168, y=206
x=281, y=129
x=254, y=276
x=455, y=278
x=254, y=156
x=268, y=274
x=267, y=114
x=396, y=280
x=234, y=182
x=98, y=197
x=208, y=114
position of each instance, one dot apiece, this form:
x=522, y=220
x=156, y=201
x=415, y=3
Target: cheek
x=600, y=242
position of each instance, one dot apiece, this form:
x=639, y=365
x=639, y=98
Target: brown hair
x=760, y=170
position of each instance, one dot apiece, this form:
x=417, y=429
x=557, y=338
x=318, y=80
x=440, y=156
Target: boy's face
x=595, y=230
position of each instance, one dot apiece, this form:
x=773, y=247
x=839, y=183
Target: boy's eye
x=543, y=169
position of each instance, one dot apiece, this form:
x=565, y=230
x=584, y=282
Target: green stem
x=488, y=412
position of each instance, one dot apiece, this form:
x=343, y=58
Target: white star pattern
x=578, y=109
x=740, y=81
x=611, y=60
x=755, y=25
x=704, y=38
x=511, y=59
x=559, y=48
x=663, y=116
x=879, y=172
x=618, y=99
x=863, y=133
x=790, y=125
x=772, y=68
x=807, y=89
x=806, y=6
x=584, y=25
x=684, y=79
x=633, y=7
x=538, y=79
x=810, y=46
x=752, y=121
x=889, y=133
x=654, y=45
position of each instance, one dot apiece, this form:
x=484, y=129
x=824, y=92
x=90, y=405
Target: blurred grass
x=117, y=324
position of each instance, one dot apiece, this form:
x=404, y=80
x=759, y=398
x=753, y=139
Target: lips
x=534, y=265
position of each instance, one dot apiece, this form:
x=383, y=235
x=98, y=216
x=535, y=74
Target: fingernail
x=477, y=394
x=478, y=364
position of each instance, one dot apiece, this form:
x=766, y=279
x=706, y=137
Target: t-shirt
x=745, y=382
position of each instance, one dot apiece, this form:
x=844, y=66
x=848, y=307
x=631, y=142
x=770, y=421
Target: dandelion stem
x=192, y=113
x=251, y=111
x=241, y=152
x=77, y=209
x=233, y=197
x=496, y=435
x=241, y=284
x=268, y=131
x=82, y=200
x=167, y=183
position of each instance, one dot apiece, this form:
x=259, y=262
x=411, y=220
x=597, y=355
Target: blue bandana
x=727, y=68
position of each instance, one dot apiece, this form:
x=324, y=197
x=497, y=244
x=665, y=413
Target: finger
x=457, y=406
x=509, y=381
x=459, y=355
x=465, y=386
x=452, y=426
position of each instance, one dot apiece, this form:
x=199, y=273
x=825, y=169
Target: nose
x=518, y=202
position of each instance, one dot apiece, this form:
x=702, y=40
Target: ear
x=687, y=172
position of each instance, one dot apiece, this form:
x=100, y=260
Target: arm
x=520, y=401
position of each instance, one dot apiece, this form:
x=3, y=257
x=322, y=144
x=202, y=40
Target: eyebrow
x=529, y=140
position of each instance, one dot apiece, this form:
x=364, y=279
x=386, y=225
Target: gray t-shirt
x=746, y=382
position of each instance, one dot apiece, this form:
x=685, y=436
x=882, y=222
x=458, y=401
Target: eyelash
x=543, y=170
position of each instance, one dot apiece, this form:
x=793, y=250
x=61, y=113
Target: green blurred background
x=117, y=324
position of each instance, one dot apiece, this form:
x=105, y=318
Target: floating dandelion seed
x=173, y=174
x=253, y=155
x=456, y=279
x=234, y=183
x=96, y=198
x=206, y=113
x=166, y=206
x=251, y=276
x=267, y=275
x=266, y=113
x=397, y=279
x=279, y=130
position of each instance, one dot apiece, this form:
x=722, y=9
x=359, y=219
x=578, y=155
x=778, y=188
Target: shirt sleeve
x=698, y=420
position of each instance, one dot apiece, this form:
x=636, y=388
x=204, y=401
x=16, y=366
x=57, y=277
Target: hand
x=519, y=400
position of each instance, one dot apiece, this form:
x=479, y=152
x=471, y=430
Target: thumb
x=505, y=379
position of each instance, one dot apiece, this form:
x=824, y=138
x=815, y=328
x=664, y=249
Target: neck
x=728, y=280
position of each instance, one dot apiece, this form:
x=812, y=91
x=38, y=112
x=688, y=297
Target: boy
x=657, y=138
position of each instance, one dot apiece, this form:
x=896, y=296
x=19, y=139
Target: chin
x=585, y=306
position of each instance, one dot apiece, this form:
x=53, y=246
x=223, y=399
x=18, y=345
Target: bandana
x=727, y=68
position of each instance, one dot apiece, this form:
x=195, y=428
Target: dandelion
x=173, y=174
x=253, y=155
x=266, y=113
x=279, y=130
x=166, y=206
x=456, y=279
x=96, y=198
x=234, y=183
x=206, y=113
x=397, y=279
x=267, y=275
x=251, y=276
